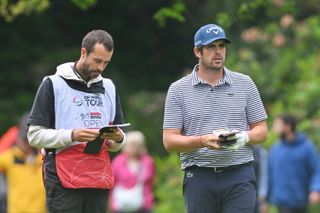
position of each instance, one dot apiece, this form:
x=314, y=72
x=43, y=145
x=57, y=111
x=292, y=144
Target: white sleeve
x=42, y=137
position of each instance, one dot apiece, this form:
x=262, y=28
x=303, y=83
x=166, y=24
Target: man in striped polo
x=218, y=178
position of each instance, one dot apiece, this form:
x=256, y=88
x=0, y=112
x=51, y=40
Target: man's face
x=212, y=56
x=95, y=62
x=280, y=128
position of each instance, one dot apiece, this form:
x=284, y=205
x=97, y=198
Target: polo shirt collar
x=196, y=80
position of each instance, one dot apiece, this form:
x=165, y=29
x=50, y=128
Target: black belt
x=219, y=169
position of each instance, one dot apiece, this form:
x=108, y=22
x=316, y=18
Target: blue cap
x=208, y=34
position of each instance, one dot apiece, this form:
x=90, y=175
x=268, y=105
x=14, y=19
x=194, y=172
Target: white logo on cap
x=214, y=29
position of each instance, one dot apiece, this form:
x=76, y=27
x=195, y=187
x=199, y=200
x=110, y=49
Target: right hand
x=116, y=134
x=211, y=141
x=84, y=135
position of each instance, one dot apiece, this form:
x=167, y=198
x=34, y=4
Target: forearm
x=258, y=133
x=180, y=143
x=42, y=137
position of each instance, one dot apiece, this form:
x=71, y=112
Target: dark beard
x=84, y=72
x=210, y=67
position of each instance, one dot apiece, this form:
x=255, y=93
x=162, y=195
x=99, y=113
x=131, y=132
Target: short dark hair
x=289, y=120
x=97, y=37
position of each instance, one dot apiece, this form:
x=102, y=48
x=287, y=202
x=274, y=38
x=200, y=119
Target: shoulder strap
x=110, y=92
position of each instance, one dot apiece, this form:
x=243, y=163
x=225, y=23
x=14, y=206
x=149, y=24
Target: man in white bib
x=69, y=109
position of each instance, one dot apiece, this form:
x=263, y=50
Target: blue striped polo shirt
x=197, y=108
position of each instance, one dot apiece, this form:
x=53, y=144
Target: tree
x=10, y=9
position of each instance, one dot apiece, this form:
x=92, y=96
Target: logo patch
x=95, y=115
x=93, y=100
x=189, y=174
x=92, y=119
x=214, y=29
x=77, y=101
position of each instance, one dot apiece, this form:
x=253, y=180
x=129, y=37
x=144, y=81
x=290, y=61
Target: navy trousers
x=230, y=191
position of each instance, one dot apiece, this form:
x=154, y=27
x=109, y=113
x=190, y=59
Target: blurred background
x=276, y=42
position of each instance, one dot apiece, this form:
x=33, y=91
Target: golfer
x=218, y=176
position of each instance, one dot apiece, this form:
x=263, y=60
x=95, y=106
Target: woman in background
x=134, y=173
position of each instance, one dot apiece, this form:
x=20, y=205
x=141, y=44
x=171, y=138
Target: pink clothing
x=124, y=177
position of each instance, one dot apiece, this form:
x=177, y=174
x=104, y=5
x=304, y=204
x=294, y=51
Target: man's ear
x=197, y=52
x=83, y=52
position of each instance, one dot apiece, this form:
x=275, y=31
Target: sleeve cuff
x=66, y=137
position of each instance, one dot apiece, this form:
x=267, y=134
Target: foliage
x=275, y=42
x=84, y=4
x=168, y=190
x=175, y=12
x=288, y=68
x=10, y=9
x=145, y=112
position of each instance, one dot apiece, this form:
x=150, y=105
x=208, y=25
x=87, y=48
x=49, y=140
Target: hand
x=264, y=207
x=116, y=134
x=241, y=139
x=84, y=135
x=314, y=197
x=211, y=141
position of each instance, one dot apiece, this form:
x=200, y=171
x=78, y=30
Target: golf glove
x=241, y=139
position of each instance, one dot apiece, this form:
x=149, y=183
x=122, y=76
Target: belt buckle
x=217, y=170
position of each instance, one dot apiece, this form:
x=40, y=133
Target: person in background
x=134, y=173
x=260, y=165
x=22, y=165
x=6, y=142
x=3, y=192
x=8, y=138
x=293, y=168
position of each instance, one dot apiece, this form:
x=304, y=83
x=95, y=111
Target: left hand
x=116, y=134
x=241, y=139
x=264, y=208
x=314, y=197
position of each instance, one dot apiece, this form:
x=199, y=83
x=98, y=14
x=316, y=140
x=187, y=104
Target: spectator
x=22, y=166
x=294, y=169
x=8, y=138
x=6, y=142
x=134, y=173
x=3, y=192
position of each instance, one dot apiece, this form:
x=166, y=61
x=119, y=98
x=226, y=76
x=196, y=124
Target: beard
x=212, y=66
x=87, y=73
